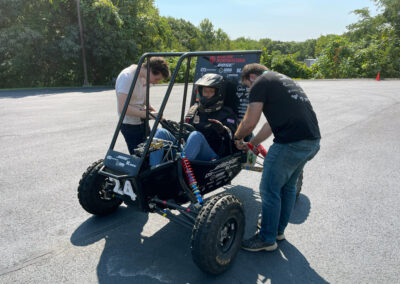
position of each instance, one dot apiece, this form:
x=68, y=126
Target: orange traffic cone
x=378, y=78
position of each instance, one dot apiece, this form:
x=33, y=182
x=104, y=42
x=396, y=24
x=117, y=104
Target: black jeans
x=133, y=134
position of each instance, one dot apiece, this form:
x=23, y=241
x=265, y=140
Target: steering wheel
x=173, y=127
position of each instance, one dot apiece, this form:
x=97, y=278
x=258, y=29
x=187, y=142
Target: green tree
x=285, y=64
x=306, y=49
x=33, y=46
x=182, y=71
x=243, y=43
x=336, y=60
x=391, y=13
x=376, y=43
x=366, y=28
x=40, y=44
x=185, y=35
x=322, y=42
x=222, y=41
x=207, y=35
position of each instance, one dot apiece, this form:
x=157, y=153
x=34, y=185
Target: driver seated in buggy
x=214, y=124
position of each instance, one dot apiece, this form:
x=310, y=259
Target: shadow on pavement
x=132, y=255
x=301, y=210
x=17, y=94
x=252, y=202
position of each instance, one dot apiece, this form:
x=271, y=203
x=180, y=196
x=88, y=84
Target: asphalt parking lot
x=345, y=227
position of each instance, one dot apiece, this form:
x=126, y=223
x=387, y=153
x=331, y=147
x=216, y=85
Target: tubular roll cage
x=182, y=56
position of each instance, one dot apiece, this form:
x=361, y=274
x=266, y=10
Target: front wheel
x=218, y=233
x=92, y=193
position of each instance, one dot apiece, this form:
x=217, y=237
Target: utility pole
x=85, y=82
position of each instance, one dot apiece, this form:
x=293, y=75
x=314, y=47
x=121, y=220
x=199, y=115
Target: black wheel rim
x=104, y=191
x=227, y=235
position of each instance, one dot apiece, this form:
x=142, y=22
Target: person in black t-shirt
x=292, y=121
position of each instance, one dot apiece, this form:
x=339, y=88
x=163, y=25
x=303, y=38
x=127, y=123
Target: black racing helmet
x=217, y=101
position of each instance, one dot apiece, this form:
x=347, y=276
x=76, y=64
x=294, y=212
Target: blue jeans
x=282, y=167
x=133, y=134
x=196, y=147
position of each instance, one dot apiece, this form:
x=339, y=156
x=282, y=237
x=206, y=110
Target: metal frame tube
x=135, y=77
x=146, y=121
x=181, y=209
x=184, y=98
x=169, y=89
x=180, y=221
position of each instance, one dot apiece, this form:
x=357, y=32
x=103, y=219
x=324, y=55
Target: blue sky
x=285, y=20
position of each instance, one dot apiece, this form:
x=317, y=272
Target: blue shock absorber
x=191, y=179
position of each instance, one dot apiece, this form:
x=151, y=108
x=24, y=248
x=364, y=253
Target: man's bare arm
x=250, y=120
x=262, y=135
x=131, y=111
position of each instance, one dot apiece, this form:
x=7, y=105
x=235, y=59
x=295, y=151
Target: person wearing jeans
x=292, y=121
x=134, y=135
x=133, y=127
x=196, y=147
x=214, y=124
x=282, y=168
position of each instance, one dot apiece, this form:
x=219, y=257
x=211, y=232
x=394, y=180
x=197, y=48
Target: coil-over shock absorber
x=191, y=179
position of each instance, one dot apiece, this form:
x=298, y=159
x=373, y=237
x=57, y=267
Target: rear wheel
x=92, y=193
x=218, y=233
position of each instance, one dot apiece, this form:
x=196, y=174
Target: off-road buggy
x=178, y=185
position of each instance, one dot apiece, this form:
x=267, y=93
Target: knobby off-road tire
x=217, y=234
x=90, y=193
x=299, y=184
